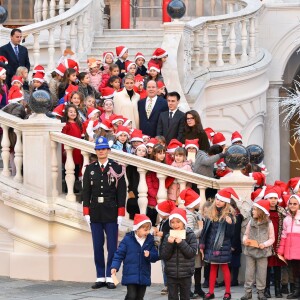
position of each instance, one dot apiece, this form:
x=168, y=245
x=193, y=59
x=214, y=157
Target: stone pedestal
x=37, y=157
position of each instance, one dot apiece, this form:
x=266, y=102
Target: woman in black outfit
x=193, y=130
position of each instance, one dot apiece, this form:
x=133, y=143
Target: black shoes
x=110, y=285
x=209, y=296
x=98, y=285
x=284, y=289
x=267, y=293
x=227, y=296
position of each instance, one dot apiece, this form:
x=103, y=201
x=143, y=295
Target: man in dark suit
x=16, y=54
x=104, y=195
x=171, y=122
x=150, y=109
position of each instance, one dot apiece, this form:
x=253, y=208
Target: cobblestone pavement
x=14, y=289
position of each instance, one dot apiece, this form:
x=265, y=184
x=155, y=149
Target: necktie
x=149, y=108
x=170, y=117
x=102, y=168
x=17, y=51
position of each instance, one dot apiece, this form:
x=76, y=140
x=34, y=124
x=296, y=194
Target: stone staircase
x=136, y=40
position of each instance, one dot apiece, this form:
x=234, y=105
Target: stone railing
x=45, y=9
x=38, y=165
x=216, y=43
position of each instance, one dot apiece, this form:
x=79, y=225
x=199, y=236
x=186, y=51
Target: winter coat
x=212, y=233
x=136, y=267
x=204, y=164
x=290, y=238
x=104, y=81
x=153, y=186
x=180, y=258
x=236, y=242
x=53, y=87
x=119, y=146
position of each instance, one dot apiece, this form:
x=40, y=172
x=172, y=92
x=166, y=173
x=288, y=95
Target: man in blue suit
x=150, y=109
x=16, y=54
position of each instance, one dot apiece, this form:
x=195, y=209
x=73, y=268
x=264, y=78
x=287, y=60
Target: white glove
x=88, y=220
x=120, y=218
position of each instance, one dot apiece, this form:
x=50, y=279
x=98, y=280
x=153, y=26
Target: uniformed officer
x=104, y=195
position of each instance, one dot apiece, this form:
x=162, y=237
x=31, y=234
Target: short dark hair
x=15, y=30
x=174, y=94
x=215, y=149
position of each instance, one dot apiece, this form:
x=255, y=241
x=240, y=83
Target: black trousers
x=181, y=285
x=135, y=292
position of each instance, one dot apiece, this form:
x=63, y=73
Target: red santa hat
x=38, y=76
x=71, y=64
x=122, y=129
x=160, y=84
x=294, y=196
x=152, y=142
x=15, y=95
x=128, y=64
x=96, y=125
x=107, y=93
x=106, y=125
x=282, y=185
x=70, y=89
x=209, y=132
x=272, y=192
x=59, y=110
x=138, y=78
x=137, y=136
x=145, y=136
x=173, y=145
x=92, y=111
x=141, y=146
x=38, y=69
x=139, y=220
x=126, y=121
x=153, y=66
x=16, y=79
x=116, y=118
x=60, y=69
x=227, y=194
x=258, y=194
x=285, y=199
x=264, y=205
x=105, y=54
x=164, y=208
x=3, y=59
x=259, y=177
x=159, y=53
x=178, y=213
x=139, y=55
x=294, y=184
x=120, y=51
x=189, y=198
x=236, y=137
x=219, y=139
x=2, y=71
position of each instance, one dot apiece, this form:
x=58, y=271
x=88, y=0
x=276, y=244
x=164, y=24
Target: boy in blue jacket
x=137, y=251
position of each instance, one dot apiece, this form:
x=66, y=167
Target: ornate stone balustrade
x=212, y=44
x=45, y=9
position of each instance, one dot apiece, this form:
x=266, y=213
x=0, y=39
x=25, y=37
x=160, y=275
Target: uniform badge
x=100, y=140
x=92, y=173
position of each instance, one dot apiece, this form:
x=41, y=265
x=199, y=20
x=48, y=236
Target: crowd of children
x=91, y=104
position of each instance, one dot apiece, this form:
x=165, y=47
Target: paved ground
x=12, y=289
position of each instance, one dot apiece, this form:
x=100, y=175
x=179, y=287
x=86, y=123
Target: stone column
x=272, y=133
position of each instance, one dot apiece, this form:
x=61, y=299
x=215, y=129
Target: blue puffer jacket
x=119, y=146
x=223, y=255
x=136, y=267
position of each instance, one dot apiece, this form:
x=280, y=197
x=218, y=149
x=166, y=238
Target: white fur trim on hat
x=262, y=208
x=161, y=212
x=120, y=132
x=224, y=199
x=178, y=216
x=104, y=126
x=161, y=56
x=271, y=195
x=15, y=100
x=193, y=204
x=122, y=52
x=191, y=146
x=154, y=68
x=136, y=139
x=261, y=194
x=137, y=226
x=295, y=196
x=236, y=140
x=93, y=113
x=2, y=72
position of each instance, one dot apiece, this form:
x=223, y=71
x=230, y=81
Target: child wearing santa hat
x=39, y=83
x=153, y=74
x=163, y=209
x=69, y=78
x=191, y=201
x=140, y=61
x=56, y=78
x=260, y=229
x=215, y=240
x=159, y=56
x=122, y=54
x=137, y=251
x=122, y=138
x=113, y=70
x=179, y=255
